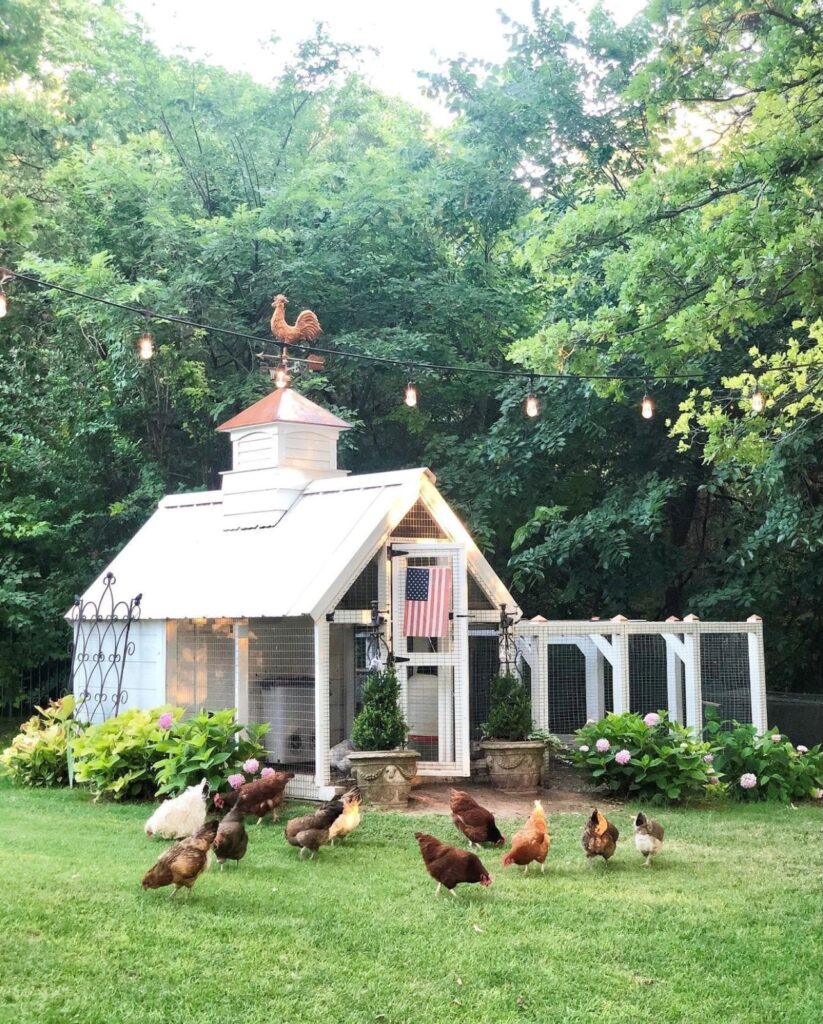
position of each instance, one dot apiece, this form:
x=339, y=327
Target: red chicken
x=449, y=866
x=531, y=844
x=474, y=821
x=258, y=797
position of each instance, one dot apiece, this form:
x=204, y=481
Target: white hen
x=182, y=816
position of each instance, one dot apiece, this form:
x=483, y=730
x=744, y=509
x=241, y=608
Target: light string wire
x=149, y=314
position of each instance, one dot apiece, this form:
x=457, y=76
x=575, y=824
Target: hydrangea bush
x=767, y=767
x=646, y=757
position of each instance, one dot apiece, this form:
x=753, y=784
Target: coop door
x=434, y=676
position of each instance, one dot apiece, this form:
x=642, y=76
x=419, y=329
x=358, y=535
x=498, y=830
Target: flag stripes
x=428, y=602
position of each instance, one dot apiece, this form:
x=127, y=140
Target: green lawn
x=725, y=927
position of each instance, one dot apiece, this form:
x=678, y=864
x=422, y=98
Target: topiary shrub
x=39, y=754
x=766, y=767
x=650, y=758
x=381, y=724
x=510, y=711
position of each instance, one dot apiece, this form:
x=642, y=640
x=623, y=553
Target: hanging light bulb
x=411, y=395
x=281, y=376
x=531, y=405
x=758, y=401
x=647, y=408
x=4, y=305
x=145, y=346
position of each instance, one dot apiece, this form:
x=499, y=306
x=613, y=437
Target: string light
x=4, y=305
x=531, y=403
x=145, y=346
x=758, y=401
x=647, y=408
x=410, y=397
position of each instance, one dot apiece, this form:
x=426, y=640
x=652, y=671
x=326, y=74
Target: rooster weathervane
x=304, y=331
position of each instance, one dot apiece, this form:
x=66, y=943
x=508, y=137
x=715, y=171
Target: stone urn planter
x=514, y=766
x=385, y=776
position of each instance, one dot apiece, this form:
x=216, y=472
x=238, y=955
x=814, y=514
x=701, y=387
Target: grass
x=724, y=927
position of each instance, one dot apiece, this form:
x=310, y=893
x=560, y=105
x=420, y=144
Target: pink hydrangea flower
x=236, y=781
x=713, y=779
x=801, y=749
x=748, y=781
x=166, y=720
x=602, y=745
x=776, y=737
x=266, y=773
x=623, y=756
x=584, y=749
x=708, y=758
x=252, y=766
x=818, y=794
x=652, y=719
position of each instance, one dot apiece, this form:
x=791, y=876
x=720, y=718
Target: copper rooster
x=306, y=326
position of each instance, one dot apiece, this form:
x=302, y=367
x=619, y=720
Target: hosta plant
x=647, y=757
x=763, y=767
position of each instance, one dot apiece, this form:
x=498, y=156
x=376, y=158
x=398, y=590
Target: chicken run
x=278, y=592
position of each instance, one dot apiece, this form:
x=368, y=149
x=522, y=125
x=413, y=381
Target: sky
x=410, y=36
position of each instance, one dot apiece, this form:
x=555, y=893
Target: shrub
x=510, y=712
x=766, y=767
x=381, y=724
x=117, y=757
x=208, y=745
x=652, y=758
x=39, y=754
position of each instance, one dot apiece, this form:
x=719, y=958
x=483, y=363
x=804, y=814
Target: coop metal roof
x=284, y=406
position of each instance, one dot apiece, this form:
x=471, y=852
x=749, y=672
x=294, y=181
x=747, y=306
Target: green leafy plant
x=39, y=754
x=763, y=767
x=116, y=758
x=381, y=724
x=651, y=758
x=510, y=712
x=208, y=745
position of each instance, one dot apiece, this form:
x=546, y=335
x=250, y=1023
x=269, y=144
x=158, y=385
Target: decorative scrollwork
x=100, y=649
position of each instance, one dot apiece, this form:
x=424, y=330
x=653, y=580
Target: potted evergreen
x=384, y=769
x=514, y=760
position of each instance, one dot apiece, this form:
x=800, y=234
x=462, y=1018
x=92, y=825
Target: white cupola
x=279, y=445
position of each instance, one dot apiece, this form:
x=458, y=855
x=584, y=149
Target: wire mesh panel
x=484, y=665
x=418, y=522
x=567, y=688
x=200, y=664
x=647, y=673
x=477, y=598
x=281, y=689
x=430, y=711
x=724, y=670
x=364, y=589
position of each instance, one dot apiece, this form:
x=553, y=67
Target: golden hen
x=183, y=863
x=531, y=844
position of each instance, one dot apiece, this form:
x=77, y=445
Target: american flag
x=428, y=602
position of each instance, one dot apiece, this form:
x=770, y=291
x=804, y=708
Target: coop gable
x=187, y=565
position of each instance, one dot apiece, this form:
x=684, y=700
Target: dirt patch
x=566, y=792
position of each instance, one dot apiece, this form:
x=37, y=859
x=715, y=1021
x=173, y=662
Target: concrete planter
x=514, y=767
x=385, y=776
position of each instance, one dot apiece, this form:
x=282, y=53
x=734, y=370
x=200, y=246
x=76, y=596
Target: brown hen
x=183, y=863
x=473, y=820
x=449, y=866
x=599, y=836
x=258, y=797
x=531, y=844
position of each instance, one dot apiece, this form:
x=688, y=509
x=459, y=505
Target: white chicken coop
x=260, y=596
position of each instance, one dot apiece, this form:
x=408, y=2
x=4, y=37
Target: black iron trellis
x=100, y=648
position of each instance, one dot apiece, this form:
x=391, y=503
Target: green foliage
x=39, y=755
x=380, y=725
x=667, y=762
x=780, y=770
x=117, y=758
x=510, y=710
x=210, y=745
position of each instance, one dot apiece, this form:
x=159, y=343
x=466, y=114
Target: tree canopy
x=640, y=200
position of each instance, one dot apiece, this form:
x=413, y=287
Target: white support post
x=694, y=681
x=595, y=690
x=459, y=703
x=620, y=672
x=540, y=683
x=757, y=674
x=445, y=714
x=322, y=774
x=241, y=671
